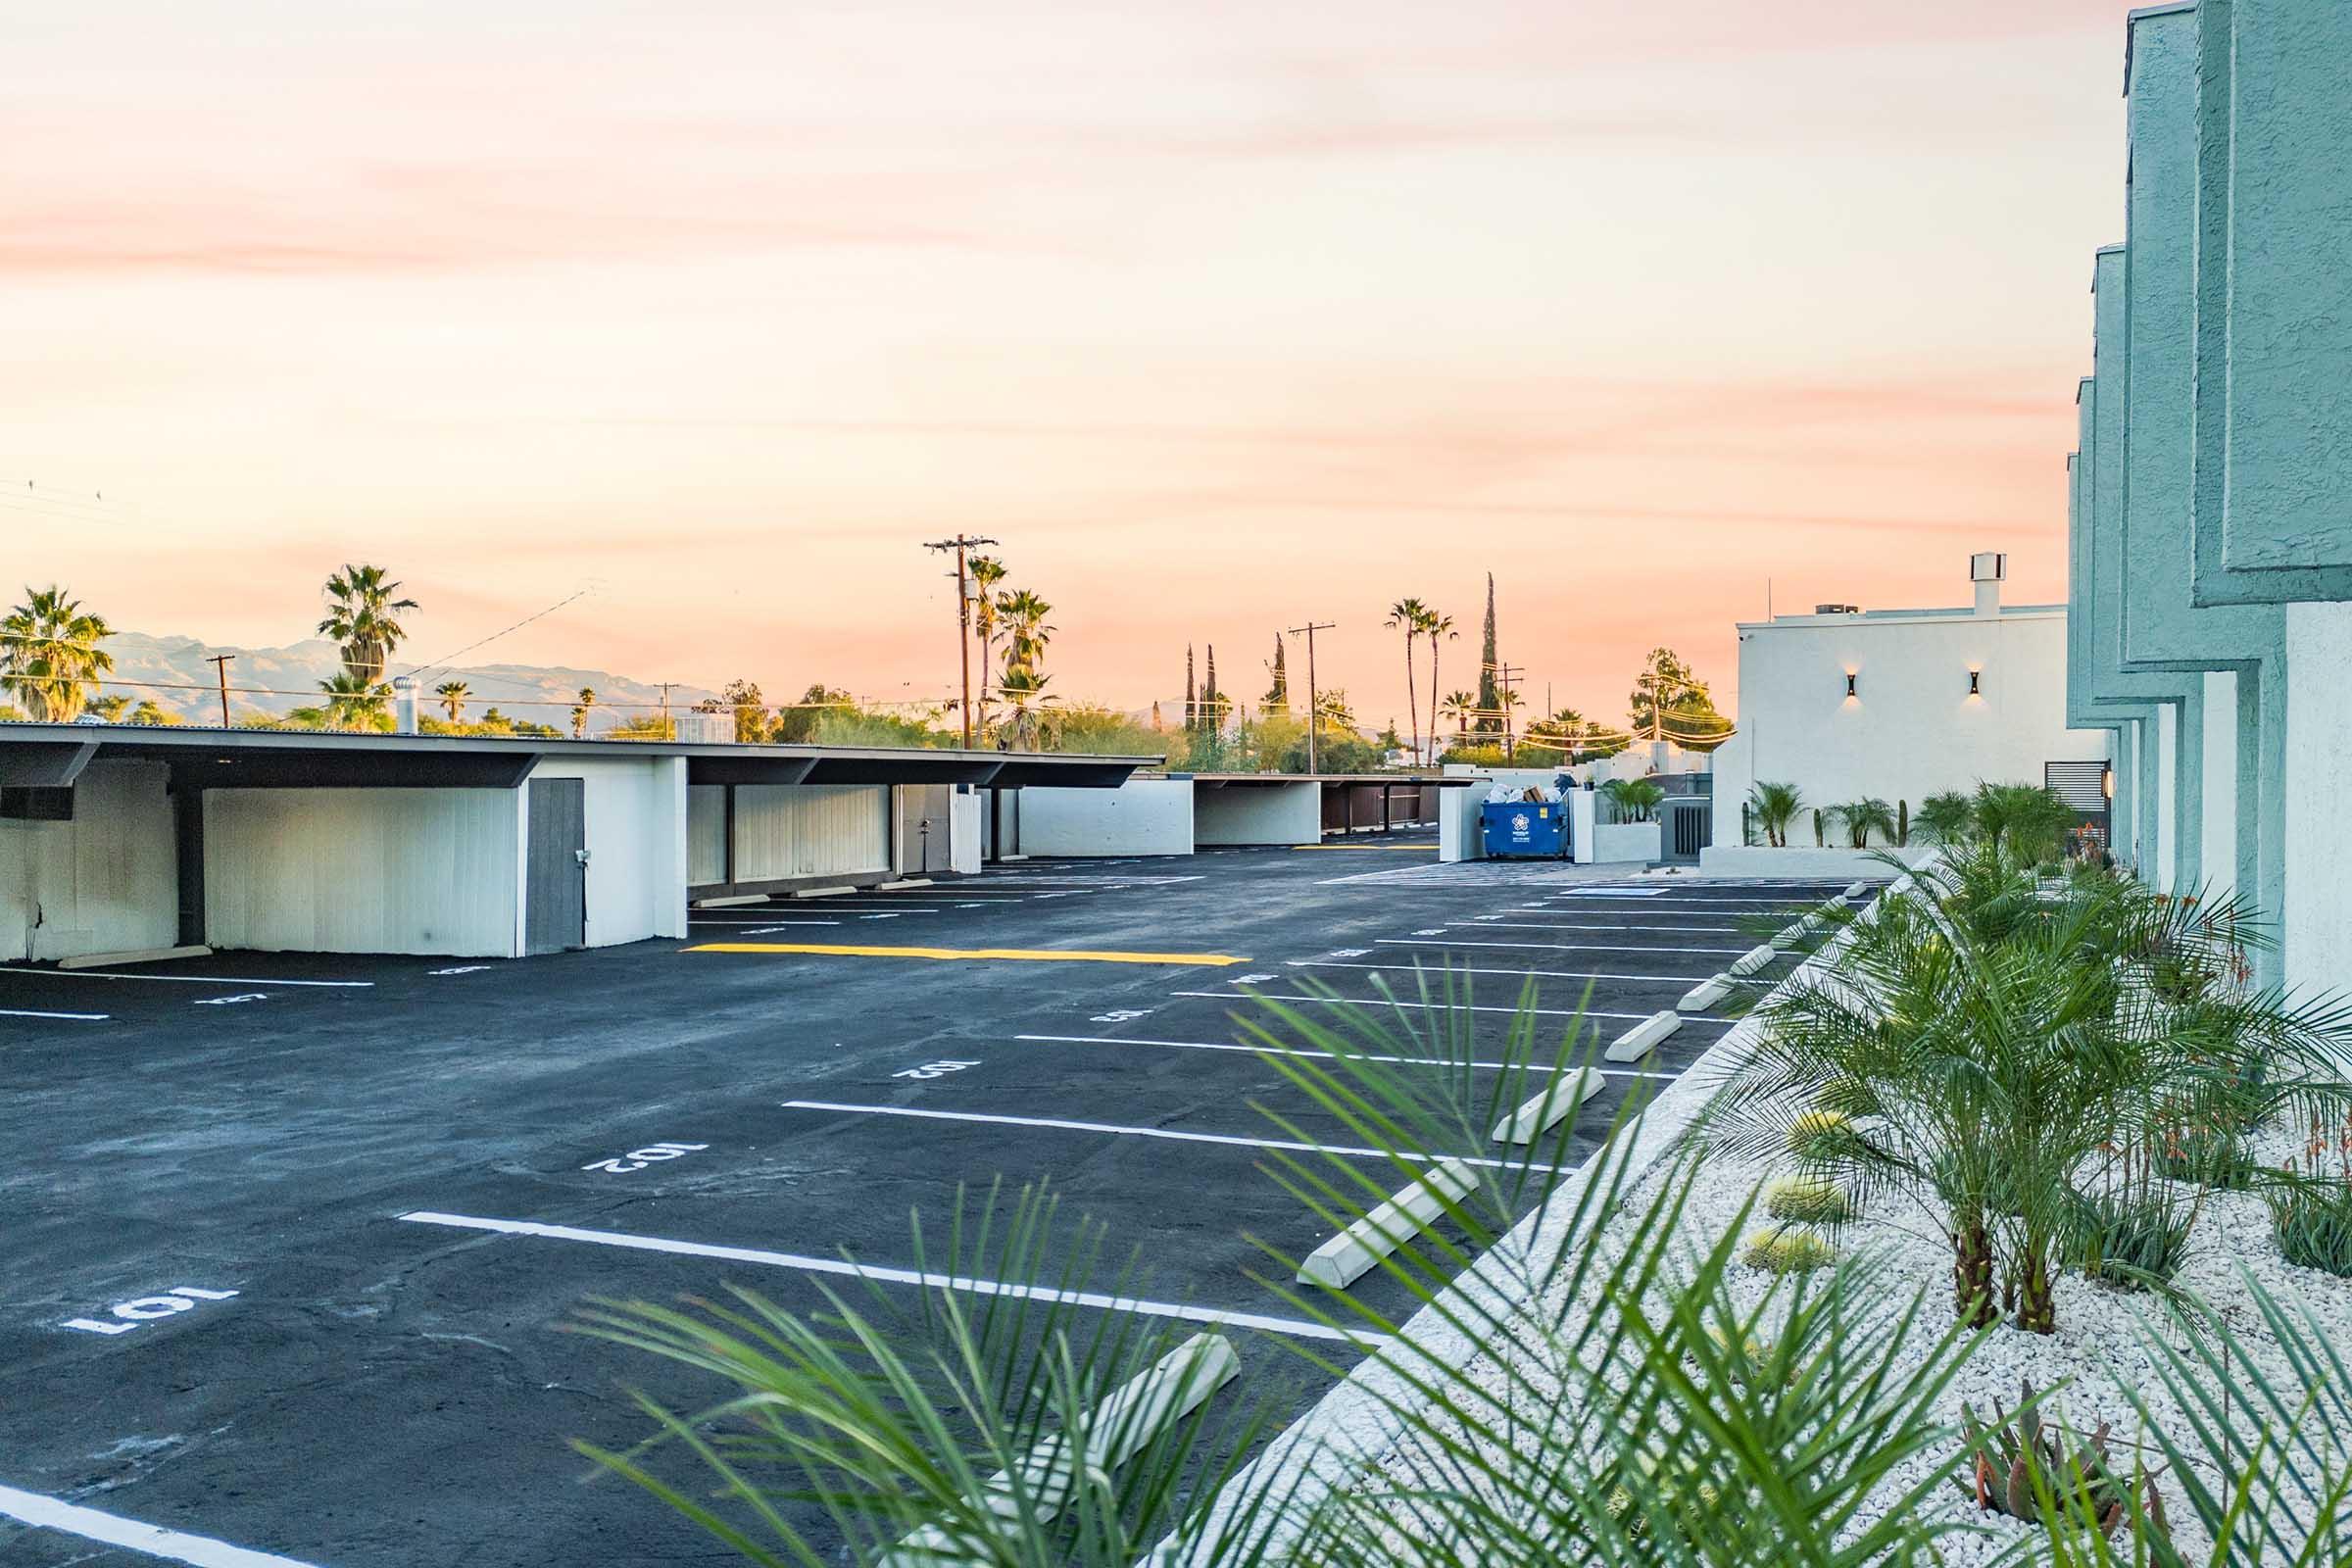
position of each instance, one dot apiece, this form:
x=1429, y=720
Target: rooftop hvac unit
x=1837, y=609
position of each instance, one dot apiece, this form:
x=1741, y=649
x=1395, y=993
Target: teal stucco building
x=2210, y=543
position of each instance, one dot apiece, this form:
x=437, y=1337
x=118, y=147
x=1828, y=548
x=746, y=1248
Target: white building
x=1848, y=703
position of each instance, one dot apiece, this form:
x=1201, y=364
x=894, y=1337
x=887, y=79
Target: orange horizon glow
x=1220, y=318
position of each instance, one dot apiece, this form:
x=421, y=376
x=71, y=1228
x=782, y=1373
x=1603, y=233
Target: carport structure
x=119, y=839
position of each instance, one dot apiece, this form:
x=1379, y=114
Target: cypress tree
x=1489, y=695
x=1278, y=696
x=1191, y=704
x=1213, y=706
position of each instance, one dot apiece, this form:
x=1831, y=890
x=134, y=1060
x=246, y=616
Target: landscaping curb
x=1351, y=1426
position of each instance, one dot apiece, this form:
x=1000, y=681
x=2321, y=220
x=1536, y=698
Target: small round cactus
x=1810, y=1200
x=1788, y=1249
x=1815, y=1129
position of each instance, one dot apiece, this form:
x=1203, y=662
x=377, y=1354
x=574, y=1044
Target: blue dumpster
x=1525, y=829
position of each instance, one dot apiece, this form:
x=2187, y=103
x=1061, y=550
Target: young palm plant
x=1861, y=818
x=1774, y=806
x=1945, y=817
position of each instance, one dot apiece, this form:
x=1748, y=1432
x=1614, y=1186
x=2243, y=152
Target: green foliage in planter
x=1808, y=1201
x=2313, y=1221
x=2133, y=1234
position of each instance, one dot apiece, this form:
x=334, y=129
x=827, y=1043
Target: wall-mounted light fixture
x=1849, y=684
x=1973, y=677
x=2107, y=782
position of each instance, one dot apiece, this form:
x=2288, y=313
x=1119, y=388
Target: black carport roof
x=52, y=754
x=1436, y=780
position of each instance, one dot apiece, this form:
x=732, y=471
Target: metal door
x=556, y=867
x=1690, y=824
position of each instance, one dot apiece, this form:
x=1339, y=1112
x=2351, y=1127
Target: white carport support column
x=1460, y=824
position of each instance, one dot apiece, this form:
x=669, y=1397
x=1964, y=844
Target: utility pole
x=1314, y=699
x=963, y=619
x=220, y=661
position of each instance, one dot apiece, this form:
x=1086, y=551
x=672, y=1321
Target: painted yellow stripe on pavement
x=1017, y=954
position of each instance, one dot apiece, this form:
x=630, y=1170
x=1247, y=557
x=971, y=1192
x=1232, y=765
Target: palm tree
x=1025, y=701
x=1946, y=816
x=360, y=615
x=2030, y=819
x=1863, y=817
x=1406, y=616
x=353, y=703
x=986, y=571
x=1461, y=707
x=453, y=694
x=579, y=714
x=1637, y=800
x=1775, y=806
x=1434, y=627
x=1027, y=633
x=49, y=653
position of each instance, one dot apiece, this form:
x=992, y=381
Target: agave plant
x=2032, y=1469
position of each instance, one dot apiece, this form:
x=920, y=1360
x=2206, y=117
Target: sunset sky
x=1220, y=316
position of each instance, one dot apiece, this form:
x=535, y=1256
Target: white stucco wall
x=636, y=822
x=964, y=811
x=1142, y=817
x=106, y=882
x=1257, y=813
x=1911, y=729
x=706, y=834
x=364, y=870
x=2219, y=766
x=1460, y=824
x=2316, y=930
x=2168, y=797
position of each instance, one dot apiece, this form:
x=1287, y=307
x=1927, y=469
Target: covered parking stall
x=119, y=841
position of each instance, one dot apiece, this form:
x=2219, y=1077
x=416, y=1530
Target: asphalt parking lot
x=288, y=1237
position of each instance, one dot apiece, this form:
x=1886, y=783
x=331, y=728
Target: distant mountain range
x=176, y=675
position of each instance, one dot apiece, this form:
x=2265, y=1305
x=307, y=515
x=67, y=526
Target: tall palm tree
x=1436, y=627
x=50, y=653
x=579, y=714
x=360, y=615
x=453, y=694
x=1026, y=632
x=986, y=571
x=1407, y=616
x=1025, y=703
x=353, y=703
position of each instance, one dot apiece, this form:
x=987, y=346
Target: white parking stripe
x=1547, y=947
x=68, y=1017
x=748, y=928
x=968, y=1284
x=1424, y=1006
x=184, y=979
x=1457, y=969
x=1328, y=1055
x=1483, y=924
x=1234, y=1140
x=48, y=1513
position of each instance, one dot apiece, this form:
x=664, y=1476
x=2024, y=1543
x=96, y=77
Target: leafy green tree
x=363, y=616
x=453, y=694
x=147, y=713
x=1774, y=806
x=1670, y=702
x=112, y=707
x=744, y=698
x=798, y=724
x=51, y=654
x=645, y=727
